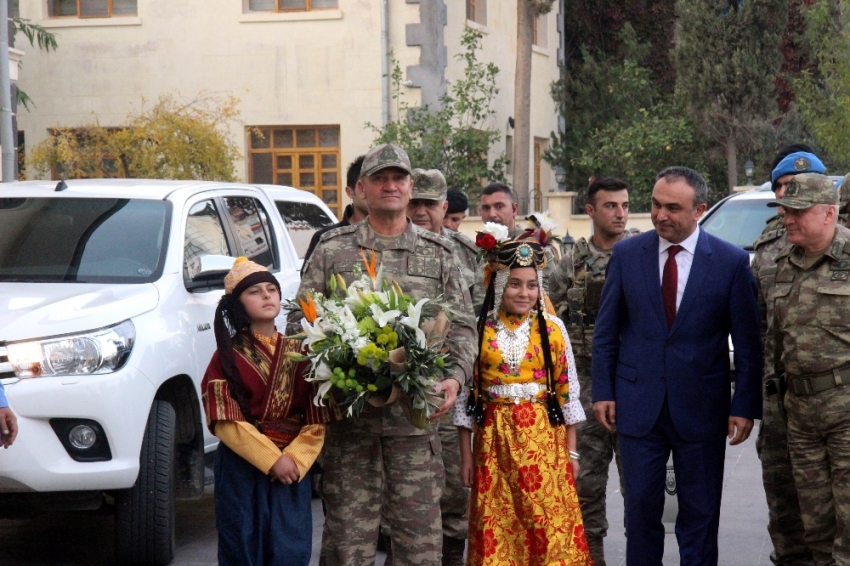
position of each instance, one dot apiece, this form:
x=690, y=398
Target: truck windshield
x=739, y=221
x=82, y=240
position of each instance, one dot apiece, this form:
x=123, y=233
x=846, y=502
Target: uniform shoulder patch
x=436, y=238
x=768, y=236
x=335, y=232
x=464, y=240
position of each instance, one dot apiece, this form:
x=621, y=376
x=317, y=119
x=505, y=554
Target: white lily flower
x=547, y=223
x=319, y=399
x=414, y=313
x=313, y=331
x=498, y=231
x=323, y=372
x=383, y=318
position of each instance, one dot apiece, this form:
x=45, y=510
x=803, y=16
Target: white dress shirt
x=684, y=260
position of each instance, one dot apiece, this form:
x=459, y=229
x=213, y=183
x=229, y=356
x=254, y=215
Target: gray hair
x=692, y=178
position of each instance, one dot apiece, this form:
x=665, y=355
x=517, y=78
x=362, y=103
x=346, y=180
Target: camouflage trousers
x=819, y=445
x=454, y=504
x=362, y=469
x=596, y=445
x=785, y=524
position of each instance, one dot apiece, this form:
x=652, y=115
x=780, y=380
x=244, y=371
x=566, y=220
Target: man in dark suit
x=661, y=367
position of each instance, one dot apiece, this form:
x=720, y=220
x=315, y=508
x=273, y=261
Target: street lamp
x=561, y=178
x=567, y=244
x=748, y=169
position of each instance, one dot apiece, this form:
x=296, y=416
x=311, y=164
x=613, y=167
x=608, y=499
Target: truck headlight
x=96, y=352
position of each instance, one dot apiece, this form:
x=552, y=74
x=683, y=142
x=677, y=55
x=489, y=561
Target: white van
x=107, y=297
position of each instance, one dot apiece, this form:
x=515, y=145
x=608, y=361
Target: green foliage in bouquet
x=368, y=342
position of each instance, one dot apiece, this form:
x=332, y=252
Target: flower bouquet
x=368, y=342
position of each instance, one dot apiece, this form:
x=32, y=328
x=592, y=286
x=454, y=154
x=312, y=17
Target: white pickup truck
x=107, y=297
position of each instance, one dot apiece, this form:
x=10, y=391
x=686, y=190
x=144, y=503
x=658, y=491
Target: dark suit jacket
x=637, y=361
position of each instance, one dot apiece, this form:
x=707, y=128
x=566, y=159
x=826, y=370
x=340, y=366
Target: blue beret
x=799, y=162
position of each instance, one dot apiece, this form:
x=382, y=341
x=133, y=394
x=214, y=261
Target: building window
x=92, y=8
x=538, y=31
x=305, y=157
x=93, y=160
x=476, y=11
x=291, y=5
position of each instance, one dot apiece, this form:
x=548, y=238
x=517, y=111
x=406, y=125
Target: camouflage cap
x=384, y=156
x=429, y=185
x=806, y=190
x=844, y=190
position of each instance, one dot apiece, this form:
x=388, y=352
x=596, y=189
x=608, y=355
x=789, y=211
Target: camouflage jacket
x=772, y=241
x=466, y=252
x=576, y=289
x=810, y=308
x=423, y=263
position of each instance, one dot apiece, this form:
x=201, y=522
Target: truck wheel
x=144, y=514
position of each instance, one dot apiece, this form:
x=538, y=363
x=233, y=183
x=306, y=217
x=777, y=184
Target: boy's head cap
x=242, y=268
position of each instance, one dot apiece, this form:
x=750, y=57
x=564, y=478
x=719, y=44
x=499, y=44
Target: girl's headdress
x=232, y=324
x=504, y=254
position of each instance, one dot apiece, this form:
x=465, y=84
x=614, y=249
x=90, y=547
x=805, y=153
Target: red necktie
x=670, y=284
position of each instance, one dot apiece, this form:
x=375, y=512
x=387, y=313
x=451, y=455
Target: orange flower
x=308, y=307
x=370, y=265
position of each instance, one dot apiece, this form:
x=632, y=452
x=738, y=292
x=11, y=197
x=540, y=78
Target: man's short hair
x=494, y=188
x=695, y=180
x=353, y=173
x=458, y=201
x=604, y=184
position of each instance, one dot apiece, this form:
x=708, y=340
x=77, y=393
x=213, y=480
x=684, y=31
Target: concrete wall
x=311, y=68
x=499, y=47
x=290, y=69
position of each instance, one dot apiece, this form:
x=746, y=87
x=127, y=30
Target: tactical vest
x=590, y=268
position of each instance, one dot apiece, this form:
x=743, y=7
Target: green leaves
x=454, y=136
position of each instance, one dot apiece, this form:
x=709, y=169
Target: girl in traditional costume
x=260, y=407
x=523, y=406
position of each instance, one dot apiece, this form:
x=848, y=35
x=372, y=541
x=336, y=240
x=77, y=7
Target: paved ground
x=86, y=540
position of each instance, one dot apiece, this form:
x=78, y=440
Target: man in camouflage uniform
x=785, y=524
x=807, y=300
x=381, y=456
x=576, y=287
x=426, y=209
x=498, y=205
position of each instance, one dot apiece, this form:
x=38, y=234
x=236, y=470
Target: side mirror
x=208, y=271
x=210, y=266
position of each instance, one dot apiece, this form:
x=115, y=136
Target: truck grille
x=5, y=366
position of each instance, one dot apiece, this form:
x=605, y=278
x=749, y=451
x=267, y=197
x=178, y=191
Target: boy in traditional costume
x=524, y=403
x=261, y=408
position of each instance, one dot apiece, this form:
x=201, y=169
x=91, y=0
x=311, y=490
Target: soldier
x=807, y=297
x=426, y=209
x=381, y=455
x=499, y=205
x=458, y=203
x=784, y=522
x=576, y=287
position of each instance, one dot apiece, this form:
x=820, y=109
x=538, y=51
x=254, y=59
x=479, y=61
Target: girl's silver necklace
x=513, y=343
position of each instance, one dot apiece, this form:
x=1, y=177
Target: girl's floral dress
x=525, y=509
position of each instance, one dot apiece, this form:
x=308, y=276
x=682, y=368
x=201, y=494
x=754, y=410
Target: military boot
x=453, y=551
x=597, y=549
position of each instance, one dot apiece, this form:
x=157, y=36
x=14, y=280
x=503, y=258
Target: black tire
x=145, y=513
